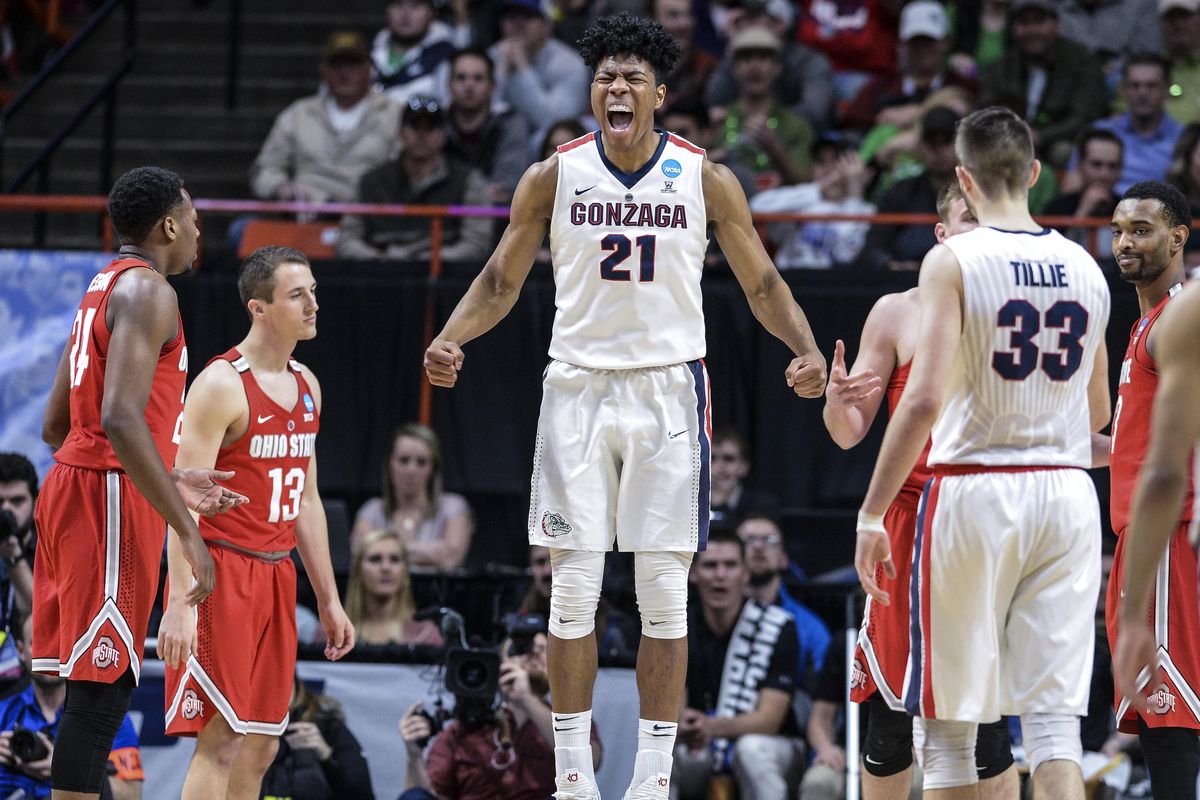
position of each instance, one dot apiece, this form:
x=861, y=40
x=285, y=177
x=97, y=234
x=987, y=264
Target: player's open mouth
x=620, y=117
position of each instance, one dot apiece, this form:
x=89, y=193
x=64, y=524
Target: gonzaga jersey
x=87, y=444
x=1035, y=306
x=628, y=253
x=270, y=461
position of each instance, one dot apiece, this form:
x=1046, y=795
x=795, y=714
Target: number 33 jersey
x=1035, y=308
x=271, y=461
x=628, y=252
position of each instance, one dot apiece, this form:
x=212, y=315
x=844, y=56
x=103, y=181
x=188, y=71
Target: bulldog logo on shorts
x=553, y=525
x=193, y=706
x=1161, y=701
x=104, y=654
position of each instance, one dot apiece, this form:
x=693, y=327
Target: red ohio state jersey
x=271, y=462
x=1131, y=420
x=914, y=484
x=87, y=444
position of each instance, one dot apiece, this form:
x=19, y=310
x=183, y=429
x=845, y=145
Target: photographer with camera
x=18, y=492
x=489, y=750
x=28, y=725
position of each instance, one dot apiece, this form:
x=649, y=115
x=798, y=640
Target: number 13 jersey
x=628, y=253
x=270, y=461
x=1035, y=308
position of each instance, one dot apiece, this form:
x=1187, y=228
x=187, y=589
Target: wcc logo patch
x=192, y=705
x=553, y=525
x=104, y=654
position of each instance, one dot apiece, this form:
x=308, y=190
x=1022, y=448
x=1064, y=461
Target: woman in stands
x=379, y=596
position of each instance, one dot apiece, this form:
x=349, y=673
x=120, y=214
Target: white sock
x=656, y=744
x=573, y=743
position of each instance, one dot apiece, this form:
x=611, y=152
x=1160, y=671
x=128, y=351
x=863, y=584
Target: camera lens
x=472, y=674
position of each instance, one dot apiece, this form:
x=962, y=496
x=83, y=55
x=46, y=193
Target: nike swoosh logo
x=870, y=760
x=652, y=622
x=660, y=734
x=261, y=420
x=583, y=191
x=658, y=727
x=566, y=719
x=565, y=621
x=676, y=435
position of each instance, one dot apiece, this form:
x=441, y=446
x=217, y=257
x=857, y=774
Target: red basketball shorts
x=246, y=650
x=1175, y=619
x=95, y=574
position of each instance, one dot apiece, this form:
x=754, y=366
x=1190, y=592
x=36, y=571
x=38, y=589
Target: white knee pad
x=947, y=750
x=661, y=583
x=1051, y=737
x=574, y=592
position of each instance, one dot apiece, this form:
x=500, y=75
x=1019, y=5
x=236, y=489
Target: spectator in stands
x=25, y=757
x=320, y=146
x=980, y=27
x=1184, y=172
x=1099, y=159
x=434, y=525
x=1180, y=20
x=766, y=138
x=901, y=247
x=1051, y=81
x=379, y=596
x=318, y=756
x=1146, y=130
x=839, y=179
x=422, y=175
x=694, y=68
x=494, y=142
x=506, y=753
x=540, y=77
x=558, y=134
x=1112, y=29
x=766, y=564
x=858, y=37
x=691, y=120
x=18, y=537
x=896, y=99
x=732, y=499
x=896, y=152
x=412, y=54
x=737, y=716
x=805, y=85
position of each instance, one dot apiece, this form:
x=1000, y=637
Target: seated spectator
x=434, y=525
x=1147, y=132
x=980, y=28
x=896, y=99
x=379, y=595
x=839, y=178
x=539, y=77
x=1051, y=81
x=1099, y=165
x=318, y=756
x=858, y=38
x=741, y=674
x=25, y=762
x=506, y=755
x=897, y=152
x=18, y=537
x=732, y=499
x=763, y=136
x=495, y=143
x=558, y=134
x=412, y=54
x=321, y=146
x=695, y=66
x=1184, y=173
x=805, y=85
x=421, y=175
x=691, y=120
x=902, y=247
x=1112, y=29
x=766, y=564
x=1180, y=20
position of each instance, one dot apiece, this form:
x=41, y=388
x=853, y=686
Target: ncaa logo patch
x=104, y=654
x=553, y=525
x=309, y=405
x=192, y=705
x=672, y=168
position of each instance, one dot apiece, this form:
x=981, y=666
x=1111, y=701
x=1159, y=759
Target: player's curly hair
x=140, y=198
x=636, y=36
x=1175, y=208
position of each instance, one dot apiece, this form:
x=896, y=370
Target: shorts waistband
x=978, y=469
x=267, y=557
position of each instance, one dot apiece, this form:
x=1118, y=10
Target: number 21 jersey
x=628, y=253
x=1035, y=307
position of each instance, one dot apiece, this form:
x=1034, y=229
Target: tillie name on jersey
x=1031, y=273
x=281, y=445
x=629, y=215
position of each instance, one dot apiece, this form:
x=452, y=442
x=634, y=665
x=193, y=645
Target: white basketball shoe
x=574, y=785
x=656, y=787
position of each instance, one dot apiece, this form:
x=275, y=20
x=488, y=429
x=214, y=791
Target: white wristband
x=870, y=522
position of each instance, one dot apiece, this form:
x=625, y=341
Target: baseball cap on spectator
x=346, y=46
x=1190, y=6
x=755, y=39
x=1049, y=6
x=939, y=122
x=782, y=10
x=529, y=6
x=422, y=107
x=924, y=18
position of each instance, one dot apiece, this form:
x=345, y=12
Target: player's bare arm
x=495, y=290
x=56, y=422
x=770, y=298
x=1100, y=406
x=215, y=414
x=853, y=396
x=937, y=342
x=312, y=540
x=766, y=718
x=1162, y=483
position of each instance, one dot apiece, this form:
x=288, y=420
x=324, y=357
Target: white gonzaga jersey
x=628, y=253
x=1035, y=306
